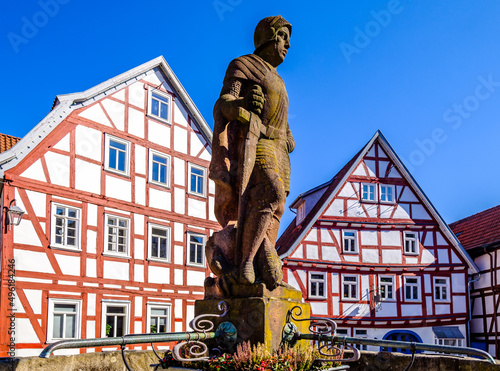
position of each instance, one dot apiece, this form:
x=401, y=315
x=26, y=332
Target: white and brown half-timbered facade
x=369, y=250
x=118, y=208
x=479, y=234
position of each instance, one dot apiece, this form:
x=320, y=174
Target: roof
x=478, y=230
x=7, y=142
x=294, y=234
x=66, y=103
x=448, y=332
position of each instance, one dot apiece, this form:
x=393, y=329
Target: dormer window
x=387, y=194
x=369, y=192
x=301, y=212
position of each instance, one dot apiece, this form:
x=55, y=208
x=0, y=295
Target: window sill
x=413, y=301
x=317, y=298
x=65, y=248
x=117, y=172
x=350, y=252
x=193, y=265
x=116, y=255
x=159, y=184
x=198, y=195
x=349, y=299
x=388, y=202
x=159, y=260
x=411, y=253
x=159, y=119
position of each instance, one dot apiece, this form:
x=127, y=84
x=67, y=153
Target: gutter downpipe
x=469, y=305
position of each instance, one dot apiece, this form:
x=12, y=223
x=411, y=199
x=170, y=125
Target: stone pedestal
x=259, y=318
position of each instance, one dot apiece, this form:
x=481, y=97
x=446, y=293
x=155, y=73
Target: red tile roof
x=478, y=230
x=7, y=142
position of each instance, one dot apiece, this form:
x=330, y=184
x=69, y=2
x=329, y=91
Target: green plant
x=108, y=329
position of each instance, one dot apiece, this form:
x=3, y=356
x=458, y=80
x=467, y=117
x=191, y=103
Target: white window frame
x=150, y=242
x=350, y=284
x=386, y=285
x=438, y=289
x=50, y=320
x=188, y=247
x=204, y=183
x=415, y=240
x=362, y=334
x=316, y=282
x=153, y=153
x=350, y=238
x=446, y=341
x=153, y=305
x=106, y=237
x=53, y=243
x=374, y=188
x=301, y=212
x=342, y=332
x=164, y=95
x=381, y=193
x=115, y=303
x=108, y=138
x=413, y=285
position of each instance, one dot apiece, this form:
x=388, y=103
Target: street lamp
x=14, y=214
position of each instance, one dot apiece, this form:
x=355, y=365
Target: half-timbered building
x=369, y=250
x=118, y=206
x=479, y=234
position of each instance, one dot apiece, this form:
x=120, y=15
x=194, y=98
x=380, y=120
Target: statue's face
x=275, y=52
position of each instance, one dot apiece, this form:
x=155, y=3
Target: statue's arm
x=230, y=100
x=290, y=142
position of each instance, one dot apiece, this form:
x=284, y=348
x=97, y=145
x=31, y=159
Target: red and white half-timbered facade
x=118, y=207
x=370, y=251
x=479, y=234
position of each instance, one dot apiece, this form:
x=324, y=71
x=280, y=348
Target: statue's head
x=272, y=39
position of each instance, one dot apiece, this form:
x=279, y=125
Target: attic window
x=369, y=192
x=301, y=212
x=160, y=105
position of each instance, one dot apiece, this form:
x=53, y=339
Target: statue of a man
x=250, y=163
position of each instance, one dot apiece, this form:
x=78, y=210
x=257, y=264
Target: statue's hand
x=255, y=99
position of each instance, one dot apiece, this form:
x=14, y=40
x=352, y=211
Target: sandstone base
x=259, y=319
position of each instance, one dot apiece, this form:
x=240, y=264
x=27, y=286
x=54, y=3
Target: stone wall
x=141, y=361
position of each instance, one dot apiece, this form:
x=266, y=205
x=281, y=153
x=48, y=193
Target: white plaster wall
x=136, y=94
x=92, y=215
x=360, y=170
x=312, y=252
x=179, y=277
x=369, y=238
x=312, y=235
x=180, y=114
x=387, y=309
x=25, y=332
x=299, y=252
x=138, y=273
x=365, y=287
x=138, y=306
x=139, y=224
x=442, y=309
x=116, y=270
x=429, y=239
x=330, y=253
x=454, y=258
x=386, y=211
x=370, y=256
x=91, y=268
x=372, y=210
x=335, y=283
x=354, y=209
x=91, y=241
x=458, y=282
x=477, y=307
x=360, y=310
x=211, y=209
x=419, y=212
x=140, y=159
x=96, y=114
x=180, y=139
x=336, y=208
x=402, y=211
x=91, y=304
x=58, y=167
x=347, y=191
x=443, y=256
x=159, y=133
x=35, y=171
x=411, y=261
x=179, y=255
x=195, y=278
x=139, y=249
x=427, y=256
x=180, y=206
x=440, y=241
x=118, y=188
x=159, y=275
x=382, y=167
x=459, y=304
x=35, y=300
x=87, y=176
x=302, y=276
x=411, y=310
x=372, y=171
x=335, y=306
x=70, y=265
x=32, y=261
x=25, y=233
x=116, y=112
x=390, y=238
x=429, y=303
x=351, y=258
x=140, y=190
x=197, y=144
x=408, y=195
x=88, y=142
x=319, y=308
x=178, y=232
x=427, y=283
x=392, y=257
x=136, y=122
x=325, y=236
x=63, y=144
x=197, y=208
x=291, y=280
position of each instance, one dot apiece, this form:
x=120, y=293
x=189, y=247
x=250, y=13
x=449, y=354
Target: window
x=159, y=165
x=301, y=212
x=402, y=335
x=350, y=241
x=362, y=334
x=115, y=318
x=386, y=287
x=342, y=332
x=412, y=288
x=368, y=192
x=65, y=227
x=196, y=180
x=411, y=242
x=117, y=152
x=158, y=318
x=441, y=288
x=196, y=246
x=350, y=287
x=64, y=319
x=116, y=239
x=317, y=285
x=387, y=193
x=448, y=335
x=159, y=105
x=159, y=242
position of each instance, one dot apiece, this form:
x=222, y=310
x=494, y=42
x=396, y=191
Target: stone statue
x=250, y=166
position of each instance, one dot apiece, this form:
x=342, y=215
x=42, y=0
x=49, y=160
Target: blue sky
x=426, y=73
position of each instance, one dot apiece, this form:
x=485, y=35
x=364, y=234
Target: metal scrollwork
x=326, y=351
x=194, y=349
x=201, y=324
x=319, y=325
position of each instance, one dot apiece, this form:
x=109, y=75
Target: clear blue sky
x=426, y=73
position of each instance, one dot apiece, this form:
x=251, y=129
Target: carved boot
x=269, y=265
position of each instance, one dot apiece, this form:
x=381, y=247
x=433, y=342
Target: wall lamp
x=14, y=214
